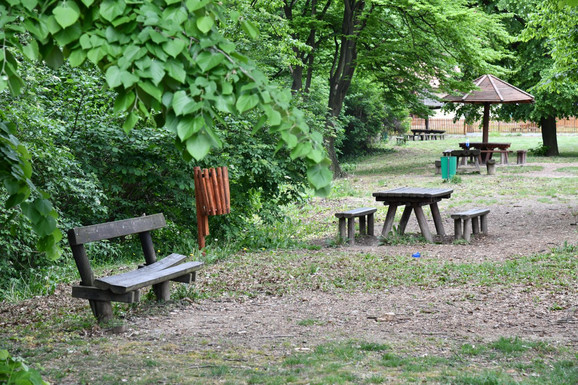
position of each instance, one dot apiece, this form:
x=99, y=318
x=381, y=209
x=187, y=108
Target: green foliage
x=367, y=117
x=14, y=371
x=164, y=59
x=541, y=150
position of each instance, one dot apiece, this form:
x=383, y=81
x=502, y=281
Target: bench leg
x=351, y=230
x=342, y=228
x=389, y=220
x=404, y=219
x=362, y=225
x=102, y=310
x=458, y=228
x=422, y=223
x=475, y=225
x=484, y=223
x=162, y=291
x=467, y=229
x=370, y=224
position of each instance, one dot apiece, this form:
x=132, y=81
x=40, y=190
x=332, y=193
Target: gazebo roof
x=492, y=90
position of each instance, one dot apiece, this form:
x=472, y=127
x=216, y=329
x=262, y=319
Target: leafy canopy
x=165, y=59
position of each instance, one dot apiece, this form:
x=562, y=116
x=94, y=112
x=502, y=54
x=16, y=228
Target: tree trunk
x=549, y=135
x=344, y=64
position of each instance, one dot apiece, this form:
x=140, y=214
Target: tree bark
x=549, y=138
x=344, y=64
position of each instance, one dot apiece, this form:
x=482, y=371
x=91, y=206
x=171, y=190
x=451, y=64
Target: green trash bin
x=449, y=166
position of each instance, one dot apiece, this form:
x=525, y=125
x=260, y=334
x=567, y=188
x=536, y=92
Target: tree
x=406, y=45
x=165, y=59
x=533, y=68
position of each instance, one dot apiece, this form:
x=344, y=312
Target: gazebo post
x=486, y=123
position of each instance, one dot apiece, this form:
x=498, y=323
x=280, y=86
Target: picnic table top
x=424, y=131
x=486, y=146
x=414, y=192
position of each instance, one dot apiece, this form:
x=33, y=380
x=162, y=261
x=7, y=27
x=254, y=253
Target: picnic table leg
x=404, y=219
x=484, y=223
x=458, y=228
x=389, y=220
x=435, y=212
x=422, y=223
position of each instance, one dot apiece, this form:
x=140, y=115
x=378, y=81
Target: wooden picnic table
x=426, y=134
x=488, y=149
x=413, y=198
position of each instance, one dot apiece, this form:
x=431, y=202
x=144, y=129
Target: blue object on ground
x=416, y=255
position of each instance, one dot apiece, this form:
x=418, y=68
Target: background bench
x=125, y=287
x=466, y=222
x=365, y=215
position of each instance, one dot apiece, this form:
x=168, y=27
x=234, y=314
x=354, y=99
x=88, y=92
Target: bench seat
x=466, y=223
x=365, y=215
x=146, y=276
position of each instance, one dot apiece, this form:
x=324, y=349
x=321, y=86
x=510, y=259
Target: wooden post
x=491, y=166
x=458, y=228
x=422, y=223
x=362, y=225
x=370, y=224
x=486, y=123
x=351, y=230
x=389, y=220
x=467, y=228
x=162, y=290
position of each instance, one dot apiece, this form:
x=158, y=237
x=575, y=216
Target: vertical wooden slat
x=221, y=184
x=202, y=218
x=227, y=193
x=207, y=193
x=216, y=194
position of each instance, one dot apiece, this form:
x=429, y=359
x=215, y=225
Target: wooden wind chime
x=212, y=197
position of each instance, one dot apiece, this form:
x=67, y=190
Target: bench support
x=468, y=222
x=366, y=222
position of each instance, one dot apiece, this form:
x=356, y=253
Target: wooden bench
x=485, y=154
x=125, y=287
x=365, y=215
x=466, y=222
x=400, y=139
x=521, y=156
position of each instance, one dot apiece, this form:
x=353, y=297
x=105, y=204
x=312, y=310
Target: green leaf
x=246, y=102
x=208, y=60
x=174, y=47
x=176, y=70
x=205, y=23
x=113, y=76
x=124, y=101
x=199, y=145
x=111, y=9
x=88, y=3
x=31, y=50
x=128, y=79
x=189, y=126
x=77, y=57
x=193, y=5
x=130, y=122
x=29, y=4
x=157, y=72
x=54, y=57
x=319, y=176
x=46, y=226
x=181, y=102
x=152, y=90
x=66, y=13
x=250, y=29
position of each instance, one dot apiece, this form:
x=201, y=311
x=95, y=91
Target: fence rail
x=459, y=127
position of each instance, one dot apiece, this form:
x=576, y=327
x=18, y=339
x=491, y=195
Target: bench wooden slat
x=82, y=235
x=470, y=213
x=356, y=212
x=136, y=279
x=168, y=261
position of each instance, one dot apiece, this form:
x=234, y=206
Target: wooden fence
x=459, y=127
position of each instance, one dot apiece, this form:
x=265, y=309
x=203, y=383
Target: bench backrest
x=142, y=226
x=86, y=234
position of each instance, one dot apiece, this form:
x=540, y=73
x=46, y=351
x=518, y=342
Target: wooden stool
x=365, y=215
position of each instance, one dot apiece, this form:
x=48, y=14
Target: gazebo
x=492, y=90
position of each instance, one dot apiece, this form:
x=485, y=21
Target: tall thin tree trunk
x=549, y=138
x=344, y=64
